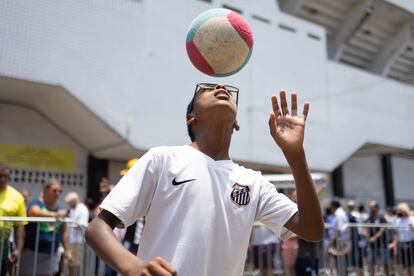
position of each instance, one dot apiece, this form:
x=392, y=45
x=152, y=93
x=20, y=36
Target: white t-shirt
x=405, y=229
x=80, y=214
x=199, y=212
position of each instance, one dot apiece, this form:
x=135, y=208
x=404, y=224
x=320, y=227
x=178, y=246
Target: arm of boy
x=112, y=252
x=287, y=129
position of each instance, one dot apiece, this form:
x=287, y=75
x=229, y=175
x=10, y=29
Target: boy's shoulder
x=248, y=177
x=13, y=194
x=35, y=202
x=161, y=151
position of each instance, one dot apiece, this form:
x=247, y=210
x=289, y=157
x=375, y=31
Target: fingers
x=13, y=259
x=294, y=103
x=283, y=102
x=272, y=124
x=160, y=267
x=155, y=269
x=305, y=110
x=167, y=265
x=275, y=106
x=284, y=110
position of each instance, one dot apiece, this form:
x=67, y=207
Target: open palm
x=287, y=128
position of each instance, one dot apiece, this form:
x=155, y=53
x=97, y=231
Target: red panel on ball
x=242, y=27
x=197, y=59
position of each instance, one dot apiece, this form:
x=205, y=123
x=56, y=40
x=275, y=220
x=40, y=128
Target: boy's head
x=212, y=102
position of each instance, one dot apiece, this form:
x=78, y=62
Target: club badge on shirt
x=240, y=194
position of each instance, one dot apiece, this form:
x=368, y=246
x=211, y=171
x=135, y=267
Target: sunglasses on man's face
x=208, y=87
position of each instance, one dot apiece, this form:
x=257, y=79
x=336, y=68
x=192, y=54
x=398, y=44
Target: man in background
x=357, y=238
x=26, y=195
x=340, y=238
x=79, y=213
x=11, y=205
x=377, y=239
x=50, y=234
x=263, y=242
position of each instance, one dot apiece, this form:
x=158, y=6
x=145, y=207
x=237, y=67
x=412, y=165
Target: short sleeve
x=411, y=221
x=275, y=209
x=32, y=203
x=131, y=197
x=21, y=211
x=84, y=216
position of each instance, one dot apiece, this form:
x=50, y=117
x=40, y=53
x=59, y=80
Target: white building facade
x=107, y=80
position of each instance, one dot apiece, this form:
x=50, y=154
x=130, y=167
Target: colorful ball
x=219, y=42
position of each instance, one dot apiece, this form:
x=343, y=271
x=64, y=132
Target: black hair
x=335, y=204
x=90, y=203
x=361, y=208
x=190, y=107
x=189, y=110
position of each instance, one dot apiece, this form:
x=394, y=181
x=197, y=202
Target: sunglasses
x=208, y=87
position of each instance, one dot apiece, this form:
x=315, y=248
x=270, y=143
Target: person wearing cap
x=199, y=205
x=104, y=189
x=78, y=213
x=129, y=165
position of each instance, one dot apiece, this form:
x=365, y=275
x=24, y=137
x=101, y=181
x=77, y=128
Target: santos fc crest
x=240, y=194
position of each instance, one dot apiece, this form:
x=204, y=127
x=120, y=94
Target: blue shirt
x=46, y=230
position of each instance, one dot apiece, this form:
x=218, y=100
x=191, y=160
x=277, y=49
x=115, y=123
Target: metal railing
x=32, y=261
x=358, y=249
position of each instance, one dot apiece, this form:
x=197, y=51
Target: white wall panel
x=403, y=176
x=23, y=126
x=362, y=178
x=126, y=61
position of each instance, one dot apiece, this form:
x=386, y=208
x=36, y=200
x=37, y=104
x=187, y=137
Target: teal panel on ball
x=238, y=69
x=201, y=18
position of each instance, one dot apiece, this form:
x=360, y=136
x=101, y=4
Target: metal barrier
x=33, y=261
x=357, y=249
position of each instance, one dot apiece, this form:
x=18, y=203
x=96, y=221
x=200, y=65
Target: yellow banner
x=37, y=157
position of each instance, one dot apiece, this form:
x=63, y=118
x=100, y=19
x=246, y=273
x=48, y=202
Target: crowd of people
x=383, y=242
x=45, y=245
x=42, y=245
x=354, y=240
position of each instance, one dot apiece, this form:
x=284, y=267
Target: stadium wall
x=126, y=61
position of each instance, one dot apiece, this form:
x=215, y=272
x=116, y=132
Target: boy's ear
x=236, y=126
x=190, y=120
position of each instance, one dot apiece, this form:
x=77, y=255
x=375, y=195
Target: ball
x=219, y=42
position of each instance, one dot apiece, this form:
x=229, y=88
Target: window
x=233, y=9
